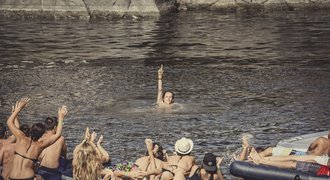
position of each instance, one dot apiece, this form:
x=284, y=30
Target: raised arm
x=105, y=157
x=11, y=120
x=160, y=85
x=12, y=138
x=219, y=173
x=62, y=111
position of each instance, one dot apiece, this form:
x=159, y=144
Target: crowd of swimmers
x=35, y=152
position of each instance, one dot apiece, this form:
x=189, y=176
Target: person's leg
x=267, y=152
x=306, y=158
x=166, y=175
x=256, y=158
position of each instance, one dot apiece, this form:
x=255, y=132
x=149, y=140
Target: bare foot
x=149, y=145
x=254, y=156
x=245, y=141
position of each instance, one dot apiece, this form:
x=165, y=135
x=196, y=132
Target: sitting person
x=50, y=156
x=28, y=149
x=180, y=164
x=164, y=99
x=148, y=166
x=7, y=154
x=210, y=169
x=87, y=160
x=318, y=165
x=321, y=146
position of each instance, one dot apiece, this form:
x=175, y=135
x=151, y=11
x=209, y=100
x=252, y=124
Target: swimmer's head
x=168, y=97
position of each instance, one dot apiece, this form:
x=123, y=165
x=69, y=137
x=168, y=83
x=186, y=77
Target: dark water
x=267, y=75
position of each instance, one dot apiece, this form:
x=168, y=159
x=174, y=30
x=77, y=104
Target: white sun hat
x=184, y=146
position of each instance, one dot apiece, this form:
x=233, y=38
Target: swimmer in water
x=164, y=99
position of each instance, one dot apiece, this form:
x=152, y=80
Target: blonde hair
x=86, y=162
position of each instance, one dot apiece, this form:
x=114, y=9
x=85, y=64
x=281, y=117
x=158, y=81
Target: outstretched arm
x=11, y=120
x=160, y=85
x=62, y=111
x=12, y=138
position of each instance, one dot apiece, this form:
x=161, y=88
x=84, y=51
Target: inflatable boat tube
x=301, y=143
x=251, y=171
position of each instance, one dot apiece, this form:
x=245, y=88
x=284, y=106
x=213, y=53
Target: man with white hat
x=180, y=164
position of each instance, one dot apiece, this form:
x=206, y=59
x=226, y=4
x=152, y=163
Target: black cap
x=209, y=162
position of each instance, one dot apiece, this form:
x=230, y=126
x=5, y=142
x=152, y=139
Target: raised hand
x=87, y=134
x=100, y=140
x=62, y=111
x=219, y=161
x=93, y=136
x=160, y=72
x=21, y=103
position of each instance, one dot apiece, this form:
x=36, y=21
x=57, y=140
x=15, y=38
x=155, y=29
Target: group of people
x=35, y=153
x=315, y=160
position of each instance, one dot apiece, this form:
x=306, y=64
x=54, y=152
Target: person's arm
x=108, y=174
x=160, y=85
x=64, y=149
x=62, y=111
x=313, y=146
x=105, y=157
x=1, y=156
x=219, y=173
x=12, y=138
x=10, y=122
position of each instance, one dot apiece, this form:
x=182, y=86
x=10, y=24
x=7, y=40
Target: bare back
x=182, y=163
x=321, y=146
x=24, y=158
x=50, y=156
x=7, y=156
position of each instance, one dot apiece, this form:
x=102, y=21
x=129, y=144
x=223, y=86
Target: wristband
x=60, y=123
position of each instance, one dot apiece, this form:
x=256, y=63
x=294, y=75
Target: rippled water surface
x=268, y=75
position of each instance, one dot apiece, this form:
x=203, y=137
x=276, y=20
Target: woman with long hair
x=88, y=158
x=28, y=149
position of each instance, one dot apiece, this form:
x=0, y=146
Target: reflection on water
x=264, y=75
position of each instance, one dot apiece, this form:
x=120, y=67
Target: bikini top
x=35, y=161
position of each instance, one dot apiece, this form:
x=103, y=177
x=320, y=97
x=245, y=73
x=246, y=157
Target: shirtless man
x=50, y=156
x=321, y=146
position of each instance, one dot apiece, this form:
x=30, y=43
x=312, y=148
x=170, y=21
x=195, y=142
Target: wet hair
x=50, y=123
x=168, y=92
x=37, y=130
x=25, y=129
x=3, y=130
x=159, y=154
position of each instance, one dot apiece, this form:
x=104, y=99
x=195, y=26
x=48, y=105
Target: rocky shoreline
x=143, y=9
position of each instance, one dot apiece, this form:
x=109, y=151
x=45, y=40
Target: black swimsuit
x=35, y=161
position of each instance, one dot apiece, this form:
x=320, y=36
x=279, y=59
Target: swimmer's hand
x=160, y=72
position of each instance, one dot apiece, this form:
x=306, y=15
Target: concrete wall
x=110, y=9
x=86, y=9
x=234, y=5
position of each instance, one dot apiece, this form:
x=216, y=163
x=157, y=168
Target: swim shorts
x=308, y=167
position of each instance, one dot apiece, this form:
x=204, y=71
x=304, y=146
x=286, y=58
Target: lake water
x=267, y=75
